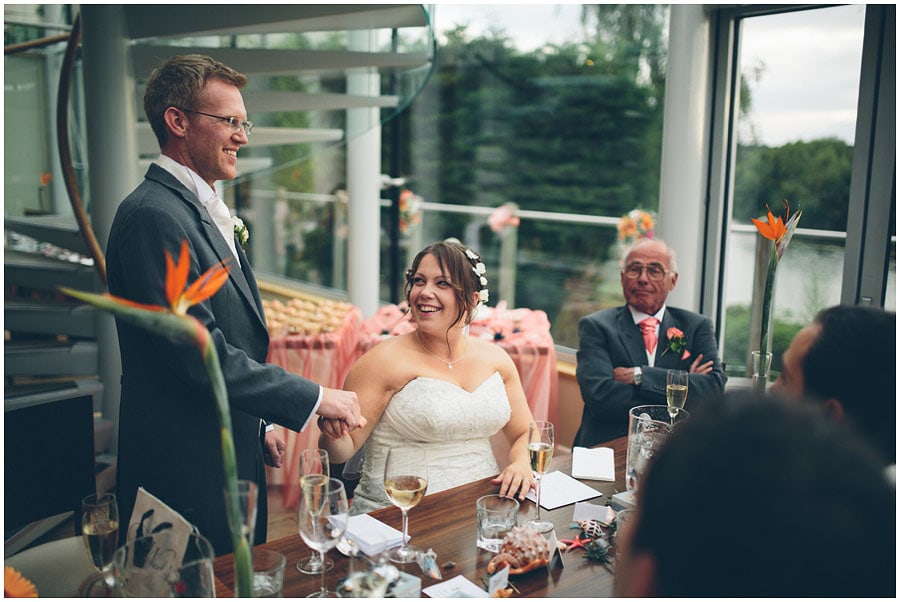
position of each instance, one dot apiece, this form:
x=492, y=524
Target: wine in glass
x=100, y=531
x=405, y=481
x=314, y=462
x=540, y=450
x=322, y=518
x=676, y=391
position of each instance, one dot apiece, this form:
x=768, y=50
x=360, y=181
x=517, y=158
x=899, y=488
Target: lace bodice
x=451, y=422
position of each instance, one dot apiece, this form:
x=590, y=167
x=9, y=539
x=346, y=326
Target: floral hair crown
x=479, y=269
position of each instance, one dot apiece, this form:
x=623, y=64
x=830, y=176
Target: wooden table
x=445, y=522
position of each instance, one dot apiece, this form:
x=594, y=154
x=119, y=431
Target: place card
x=556, y=556
x=498, y=580
x=598, y=512
x=559, y=489
x=458, y=587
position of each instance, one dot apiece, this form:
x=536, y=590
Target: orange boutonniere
x=676, y=343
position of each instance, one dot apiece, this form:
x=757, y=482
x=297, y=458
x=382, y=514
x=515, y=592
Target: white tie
x=221, y=216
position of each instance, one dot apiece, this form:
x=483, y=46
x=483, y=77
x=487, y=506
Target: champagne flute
x=100, y=531
x=322, y=518
x=314, y=462
x=405, y=481
x=540, y=450
x=676, y=391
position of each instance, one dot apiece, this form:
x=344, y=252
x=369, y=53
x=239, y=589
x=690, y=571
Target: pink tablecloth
x=326, y=359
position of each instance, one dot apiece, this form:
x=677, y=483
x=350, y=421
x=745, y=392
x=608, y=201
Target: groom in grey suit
x=169, y=437
x=624, y=352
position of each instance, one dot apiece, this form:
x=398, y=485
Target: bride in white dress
x=437, y=387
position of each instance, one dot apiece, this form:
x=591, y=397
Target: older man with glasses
x=625, y=352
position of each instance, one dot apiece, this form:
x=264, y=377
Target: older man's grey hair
x=673, y=263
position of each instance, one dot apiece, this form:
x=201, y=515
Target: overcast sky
x=811, y=60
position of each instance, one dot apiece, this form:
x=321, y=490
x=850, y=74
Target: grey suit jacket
x=169, y=438
x=608, y=339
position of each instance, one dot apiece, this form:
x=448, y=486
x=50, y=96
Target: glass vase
x=760, y=365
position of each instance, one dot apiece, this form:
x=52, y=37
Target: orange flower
x=774, y=228
x=15, y=585
x=200, y=290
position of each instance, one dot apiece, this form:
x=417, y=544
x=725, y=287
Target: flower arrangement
x=174, y=323
x=240, y=230
x=479, y=269
x=676, y=343
x=410, y=211
x=779, y=231
x=635, y=225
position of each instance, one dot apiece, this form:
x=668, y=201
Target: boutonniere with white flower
x=240, y=230
x=676, y=343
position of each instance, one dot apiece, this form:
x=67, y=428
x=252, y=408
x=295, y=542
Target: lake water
x=808, y=279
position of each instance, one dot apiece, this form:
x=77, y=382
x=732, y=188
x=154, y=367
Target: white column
x=112, y=156
x=682, y=194
x=363, y=185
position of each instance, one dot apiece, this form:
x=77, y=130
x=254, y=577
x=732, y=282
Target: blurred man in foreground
x=845, y=361
x=762, y=498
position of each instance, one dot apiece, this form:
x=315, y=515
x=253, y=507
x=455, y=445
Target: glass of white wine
x=676, y=391
x=322, y=519
x=314, y=462
x=100, y=530
x=405, y=482
x=540, y=450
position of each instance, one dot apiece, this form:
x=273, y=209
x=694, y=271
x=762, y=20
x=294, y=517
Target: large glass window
x=799, y=75
x=557, y=109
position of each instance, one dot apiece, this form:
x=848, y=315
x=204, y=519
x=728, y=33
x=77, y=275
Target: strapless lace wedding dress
x=451, y=423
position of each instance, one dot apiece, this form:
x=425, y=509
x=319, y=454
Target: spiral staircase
x=53, y=394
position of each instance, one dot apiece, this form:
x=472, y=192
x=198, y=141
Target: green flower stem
x=243, y=565
x=186, y=328
x=767, y=302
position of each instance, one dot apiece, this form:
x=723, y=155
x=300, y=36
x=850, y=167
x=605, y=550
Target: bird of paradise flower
x=779, y=231
x=174, y=323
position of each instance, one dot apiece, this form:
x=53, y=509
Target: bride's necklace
x=449, y=362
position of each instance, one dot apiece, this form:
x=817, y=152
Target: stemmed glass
x=322, y=518
x=314, y=462
x=540, y=450
x=676, y=391
x=405, y=481
x=100, y=530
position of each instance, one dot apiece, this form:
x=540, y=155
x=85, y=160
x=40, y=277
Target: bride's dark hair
x=458, y=268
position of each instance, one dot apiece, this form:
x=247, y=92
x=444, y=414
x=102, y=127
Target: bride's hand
x=515, y=480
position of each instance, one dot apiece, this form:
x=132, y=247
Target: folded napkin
x=371, y=535
x=597, y=463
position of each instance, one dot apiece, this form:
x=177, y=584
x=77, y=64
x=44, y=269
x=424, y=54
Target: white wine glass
x=540, y=450
x=314, y=462
x=405, y=482
x=322, y=519
x=676, y=391
x=100, y=531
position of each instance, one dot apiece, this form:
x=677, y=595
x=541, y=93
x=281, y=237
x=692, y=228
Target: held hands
x=339, y=413
x=516, y=477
